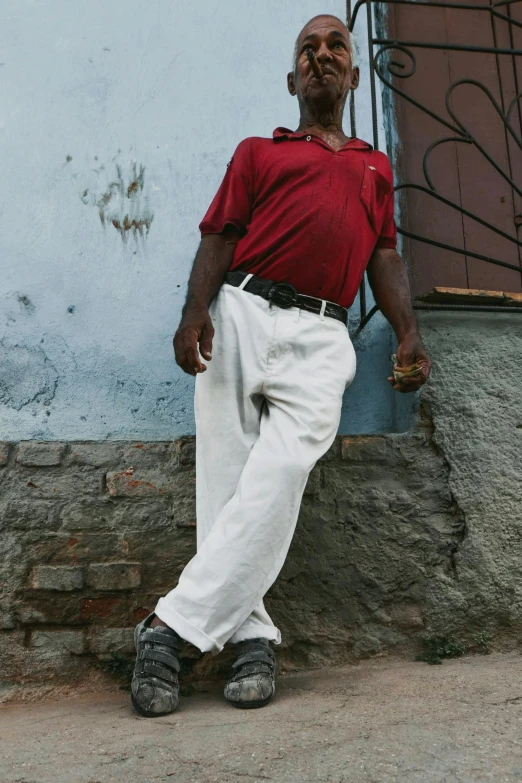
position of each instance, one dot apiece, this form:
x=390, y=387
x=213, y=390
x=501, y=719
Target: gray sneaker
x=155, y=686
x=253, y=680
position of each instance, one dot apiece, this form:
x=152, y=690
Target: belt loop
x=323, y=308
x=245, y=282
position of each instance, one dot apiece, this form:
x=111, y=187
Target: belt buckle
x=283, y=295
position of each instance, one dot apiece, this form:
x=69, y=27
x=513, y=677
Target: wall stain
x=25, y=303
x=28, y=376
x=123, y=202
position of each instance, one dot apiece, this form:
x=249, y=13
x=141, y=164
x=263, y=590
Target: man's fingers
x=205, y=341
x=192, y=358
x=186, y=351
x=408, y=384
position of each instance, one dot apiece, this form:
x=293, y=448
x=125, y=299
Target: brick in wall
x=4, y=454
x=127, y=483
x=148, y=455
x=59, y=641
x=111, y=640
x=7, y=618
x=57, y=578
x=114, y=576
x=95, y=454
x=186, y=449
x=362, y=448
x=39, y=455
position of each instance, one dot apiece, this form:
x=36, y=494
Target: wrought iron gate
x=460, y=212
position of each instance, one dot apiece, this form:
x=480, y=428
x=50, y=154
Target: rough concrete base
x=373, y=723
x=399, y=536
x=474, y=404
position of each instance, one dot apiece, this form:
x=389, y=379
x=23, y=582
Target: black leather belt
x=284, y=295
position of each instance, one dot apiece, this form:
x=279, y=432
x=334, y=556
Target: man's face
x=328, y=39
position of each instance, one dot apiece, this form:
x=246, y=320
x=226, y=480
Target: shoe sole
x=146, y=713
x=249, y=705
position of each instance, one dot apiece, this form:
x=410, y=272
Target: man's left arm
x=389, y=282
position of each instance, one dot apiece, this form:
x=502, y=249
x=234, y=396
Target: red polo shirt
x=308, y=215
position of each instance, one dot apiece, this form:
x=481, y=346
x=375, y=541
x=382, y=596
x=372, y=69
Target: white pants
x=267, y=408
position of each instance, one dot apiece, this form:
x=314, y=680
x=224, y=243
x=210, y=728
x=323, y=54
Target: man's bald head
x=323, y=69
x=336, y=23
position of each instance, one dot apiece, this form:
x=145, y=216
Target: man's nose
x=323, y=53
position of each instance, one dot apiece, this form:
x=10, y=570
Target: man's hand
x=412, y=351
x=195, y=328
x=212, y=262
x=389, y=282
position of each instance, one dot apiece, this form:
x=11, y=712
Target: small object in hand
x=316, y=68
x=399, y=373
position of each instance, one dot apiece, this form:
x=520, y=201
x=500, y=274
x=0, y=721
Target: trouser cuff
x=185, y=629
x=257, y=631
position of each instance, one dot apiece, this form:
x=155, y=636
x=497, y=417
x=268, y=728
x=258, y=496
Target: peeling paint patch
x=27, y=376
x=25, y=303
x=123, y=202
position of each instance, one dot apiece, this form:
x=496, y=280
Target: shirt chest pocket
x=375, y=195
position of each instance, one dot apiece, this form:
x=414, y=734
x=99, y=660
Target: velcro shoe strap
x=259, y=656
x=253, y=669
x=161, y=657
x=253, y=646
x=158, y=671
x=162, y=638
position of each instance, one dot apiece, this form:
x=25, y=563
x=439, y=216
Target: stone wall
x=399, y=535
x=93, y=533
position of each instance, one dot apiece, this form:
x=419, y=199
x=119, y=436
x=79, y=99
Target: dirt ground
x=372, y=723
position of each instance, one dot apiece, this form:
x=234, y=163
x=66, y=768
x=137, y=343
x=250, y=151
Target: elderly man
x=297, y=220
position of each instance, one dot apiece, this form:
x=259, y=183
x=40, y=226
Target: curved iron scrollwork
x=385, y=68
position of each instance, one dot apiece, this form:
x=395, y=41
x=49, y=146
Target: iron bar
x=460, y=209
x=430, y=150
x=448, y=47
x=407, y=75
x=364, y=321
x=467, y=307
x=362, y=298
x=372, y=78
x=435, y=306
x=462, y=251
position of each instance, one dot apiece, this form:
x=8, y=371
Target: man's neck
x=310, y=123
x=329, y=121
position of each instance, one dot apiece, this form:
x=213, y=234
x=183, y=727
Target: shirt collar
x=283, y=134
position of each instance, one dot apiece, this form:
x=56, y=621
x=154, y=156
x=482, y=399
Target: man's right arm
x=212, y=262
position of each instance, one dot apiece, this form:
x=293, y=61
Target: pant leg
x=228, y=404
x=306, y=365
x=294, y=388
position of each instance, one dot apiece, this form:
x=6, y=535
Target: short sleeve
x=388, y=235
x=233, y=201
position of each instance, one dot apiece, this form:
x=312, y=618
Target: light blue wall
x=86, y=320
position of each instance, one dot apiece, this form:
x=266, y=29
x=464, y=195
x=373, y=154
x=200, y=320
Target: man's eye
x=338, y=43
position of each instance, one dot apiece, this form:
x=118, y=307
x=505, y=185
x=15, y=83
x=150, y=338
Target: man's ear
x=355, y=79
x=291, y=83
